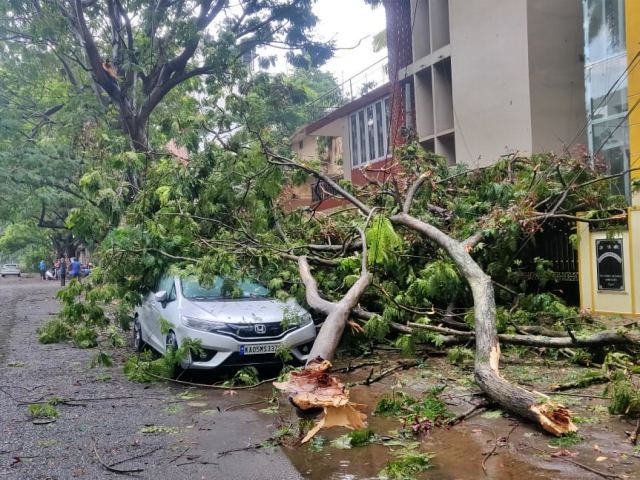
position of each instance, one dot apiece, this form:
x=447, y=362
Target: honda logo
x=260, y=328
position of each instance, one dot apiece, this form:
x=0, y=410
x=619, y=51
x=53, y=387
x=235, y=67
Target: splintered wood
x=314, y=388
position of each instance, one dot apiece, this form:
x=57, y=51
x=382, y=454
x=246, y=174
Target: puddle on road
x=458, y=452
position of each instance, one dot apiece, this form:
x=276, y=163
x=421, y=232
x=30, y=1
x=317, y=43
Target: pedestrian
x=63, y=271
x=75, y=269
x=42, y=266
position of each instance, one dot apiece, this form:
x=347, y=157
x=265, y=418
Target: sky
x=351, y=24
x=347, y=22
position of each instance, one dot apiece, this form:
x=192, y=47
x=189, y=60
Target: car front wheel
x=138, y=343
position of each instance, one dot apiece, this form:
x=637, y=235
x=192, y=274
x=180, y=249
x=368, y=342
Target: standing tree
x=136, y=53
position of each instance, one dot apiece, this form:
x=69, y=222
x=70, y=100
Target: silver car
x=9, y=269
x=238, y=323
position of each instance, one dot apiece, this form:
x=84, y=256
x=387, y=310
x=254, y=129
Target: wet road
x=106, y=414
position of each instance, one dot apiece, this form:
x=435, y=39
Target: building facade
x=609, y=261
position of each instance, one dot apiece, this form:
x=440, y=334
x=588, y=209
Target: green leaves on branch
x=383, y=242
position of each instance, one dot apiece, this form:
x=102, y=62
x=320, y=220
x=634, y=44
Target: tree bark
x=552, y=417
x=599, y=339
x=328, y=338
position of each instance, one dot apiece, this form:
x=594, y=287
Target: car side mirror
x=161, y=297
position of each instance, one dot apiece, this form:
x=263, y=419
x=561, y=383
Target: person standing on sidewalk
x=75, y=269
x=42, y=266
x=63, y=271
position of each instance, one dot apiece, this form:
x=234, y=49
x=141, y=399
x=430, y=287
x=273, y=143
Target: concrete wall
x=490, y=72
x=556, y=73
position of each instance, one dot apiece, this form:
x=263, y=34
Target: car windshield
x=222, y=288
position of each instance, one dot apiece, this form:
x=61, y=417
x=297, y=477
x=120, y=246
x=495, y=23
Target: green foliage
x=284, y=353
x=459, y=355
x=625, y=395
x=406, y=466
x=54, y=331
x=394, y=404
x=382, y=241
x=144, y=368
x=245, y=376
x=377, y=327
x=568, y=440
x=85, y=337
x=42, y=410
x=101, y=358
x=165, y=326
x=355, y=438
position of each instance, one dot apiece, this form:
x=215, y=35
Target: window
x=369, y=129
x=606, y=87
x=167, y=284
x=604, y=29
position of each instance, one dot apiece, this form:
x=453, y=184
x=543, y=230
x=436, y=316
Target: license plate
x=258, y=349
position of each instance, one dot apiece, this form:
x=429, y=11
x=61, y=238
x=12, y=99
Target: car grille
x=255, y=330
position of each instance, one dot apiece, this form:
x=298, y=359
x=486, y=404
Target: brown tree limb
x=337, y=313
x=553, y=418
x=596, y=340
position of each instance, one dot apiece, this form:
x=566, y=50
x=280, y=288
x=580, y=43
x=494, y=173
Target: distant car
x=238, y=323
x=9, y=269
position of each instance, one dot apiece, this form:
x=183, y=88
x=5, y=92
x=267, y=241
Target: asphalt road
x=103, y=422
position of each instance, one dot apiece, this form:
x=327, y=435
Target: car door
x=163, y=310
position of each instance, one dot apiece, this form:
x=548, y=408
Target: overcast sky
x=347, y=22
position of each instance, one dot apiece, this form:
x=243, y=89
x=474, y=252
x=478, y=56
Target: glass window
x=167, y=284
x=362, y=137
x=380, y=129
x=368, y=131
x=354, y=140
x=607, y=88
x=605, y=34
x=371, y=133
x=222, y=288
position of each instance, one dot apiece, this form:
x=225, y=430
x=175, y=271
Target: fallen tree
x=538, y=408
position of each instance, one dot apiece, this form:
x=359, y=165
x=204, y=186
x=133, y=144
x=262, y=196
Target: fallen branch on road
x=596, y=340
x=120, y=471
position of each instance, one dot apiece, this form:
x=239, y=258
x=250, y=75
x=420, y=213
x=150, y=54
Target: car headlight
x=203, y=325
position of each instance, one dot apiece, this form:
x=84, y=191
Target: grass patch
x=568, y=440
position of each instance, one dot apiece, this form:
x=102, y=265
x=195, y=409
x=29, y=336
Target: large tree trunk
x=552, y=417
x=338, y=313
